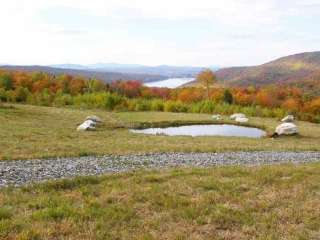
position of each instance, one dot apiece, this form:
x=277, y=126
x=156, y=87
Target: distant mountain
x=96, y=66
x=290, y=69
x=113, y=65
x=70, y=66
x=166, y=70
x=77, y=70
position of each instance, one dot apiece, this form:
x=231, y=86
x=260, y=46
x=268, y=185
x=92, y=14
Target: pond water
x=170, y=83
x=205, y=130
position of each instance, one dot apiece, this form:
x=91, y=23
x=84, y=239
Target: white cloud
x=253, y=31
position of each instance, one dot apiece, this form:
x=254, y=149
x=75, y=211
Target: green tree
x=6, y=82
x=206, y=78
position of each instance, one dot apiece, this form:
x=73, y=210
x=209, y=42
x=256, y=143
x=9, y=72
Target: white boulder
x=242, y=119
x=287, y=129
x=87, y=125
x=288, y=119
x=216, y=117
x=237, y=115
x=94, y=119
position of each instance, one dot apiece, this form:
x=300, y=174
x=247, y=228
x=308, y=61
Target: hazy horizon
x=203, y=33
x=115, y=63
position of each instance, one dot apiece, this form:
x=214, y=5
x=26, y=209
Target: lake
x=205, y=130
x=170, y=83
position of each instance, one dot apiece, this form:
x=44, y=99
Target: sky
x=152, y=32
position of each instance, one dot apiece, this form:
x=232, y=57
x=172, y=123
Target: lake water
x=170, y=83
x=205, y=130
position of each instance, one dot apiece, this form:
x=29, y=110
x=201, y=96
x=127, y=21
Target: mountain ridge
x=167, y=70
x=288, y=69
x=104, y=76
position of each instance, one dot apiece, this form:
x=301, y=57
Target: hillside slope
x=291, y=69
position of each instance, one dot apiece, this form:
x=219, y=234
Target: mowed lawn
x=40, y=132
x=274, y=202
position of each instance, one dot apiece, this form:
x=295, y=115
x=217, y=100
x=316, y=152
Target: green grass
x=274, y=202
x=41, y=132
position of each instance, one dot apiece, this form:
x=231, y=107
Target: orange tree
x=206, y=78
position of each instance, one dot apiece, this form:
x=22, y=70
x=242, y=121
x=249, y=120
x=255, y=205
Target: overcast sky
x=152, y=32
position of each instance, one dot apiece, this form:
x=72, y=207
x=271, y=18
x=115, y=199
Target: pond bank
x=23, y=172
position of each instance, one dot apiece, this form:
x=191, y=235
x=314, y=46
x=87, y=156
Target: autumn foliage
x=45, y=89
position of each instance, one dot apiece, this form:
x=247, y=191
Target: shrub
x=3, y=95
x=207, y=107
x=143, y=105
x=21, y=94
x=317, y=119
x=175, y=106
x=112, y=100
x=195, y=107
x=132, y=104
x=99, y=100
x=157, y=105
x=63, y=100
x=45, y=98
x=249, y=111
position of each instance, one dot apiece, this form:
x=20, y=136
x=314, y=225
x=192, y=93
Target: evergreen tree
x=227, y=96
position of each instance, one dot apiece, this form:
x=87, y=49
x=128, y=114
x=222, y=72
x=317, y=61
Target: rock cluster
x=287, y=127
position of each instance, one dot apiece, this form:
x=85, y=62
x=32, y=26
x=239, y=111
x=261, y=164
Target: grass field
x=275, y=202
x=41, y=132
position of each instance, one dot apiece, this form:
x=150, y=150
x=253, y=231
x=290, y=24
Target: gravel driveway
x=27, y=171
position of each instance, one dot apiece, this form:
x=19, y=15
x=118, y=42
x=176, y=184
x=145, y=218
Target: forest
x=275, y=100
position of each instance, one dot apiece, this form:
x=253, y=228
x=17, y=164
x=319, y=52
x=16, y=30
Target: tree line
x=45, y=89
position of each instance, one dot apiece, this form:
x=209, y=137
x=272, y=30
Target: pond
x=205, y=130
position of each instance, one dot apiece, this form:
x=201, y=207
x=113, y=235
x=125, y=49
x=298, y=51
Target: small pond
x=205, y=130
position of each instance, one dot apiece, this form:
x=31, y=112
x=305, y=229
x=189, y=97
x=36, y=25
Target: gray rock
x=242, y=119
x=87, y=125
x=288, y=119
x=237, y=115
x=216, y=117
x=287, y=129
x=94, y=118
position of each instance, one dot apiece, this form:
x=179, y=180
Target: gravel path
x=26, y=171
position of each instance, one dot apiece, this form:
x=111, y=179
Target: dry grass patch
x=274, y=202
